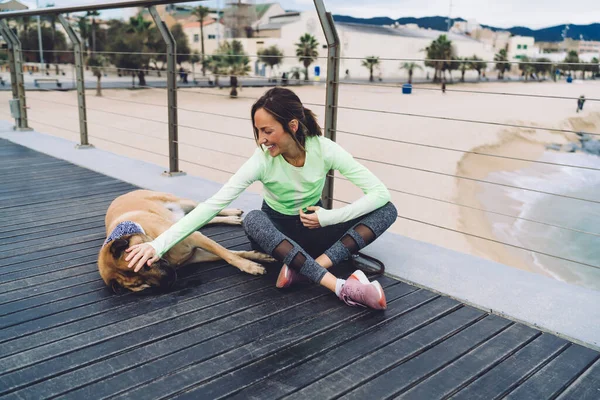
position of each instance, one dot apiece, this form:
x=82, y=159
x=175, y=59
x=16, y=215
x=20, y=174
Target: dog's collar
x=124, y=228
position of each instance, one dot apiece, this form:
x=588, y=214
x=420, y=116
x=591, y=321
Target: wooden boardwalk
x=222, y=333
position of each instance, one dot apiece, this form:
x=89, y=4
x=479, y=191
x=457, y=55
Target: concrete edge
x=551, y=306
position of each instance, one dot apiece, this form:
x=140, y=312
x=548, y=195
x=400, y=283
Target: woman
x=292, y=162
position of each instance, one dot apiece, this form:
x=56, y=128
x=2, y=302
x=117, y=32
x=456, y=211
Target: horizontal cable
x=165, y=53
x=126, y=145
x=124, y=115
x=94, y=52
x=206, y=166
x=465, y=151
x=500, y=242
x=128, y=101
x=480, y=209
x=532, y=61
x=490, y=240
x=217, y=132
x=239, y=97
x=209, y=149
x=126, y=130
x=479, y=180
x=472, y=61
x=96, y=109
x=53, y=126
x=471, y=121
x=437, y=89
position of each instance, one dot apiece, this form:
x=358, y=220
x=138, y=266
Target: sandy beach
x=215, y=138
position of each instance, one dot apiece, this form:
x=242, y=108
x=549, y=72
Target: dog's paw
x=236, y=212
x=235, y=220
x=253, y=268
x=262, y=257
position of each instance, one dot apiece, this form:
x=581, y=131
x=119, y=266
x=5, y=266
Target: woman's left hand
x=311, y=221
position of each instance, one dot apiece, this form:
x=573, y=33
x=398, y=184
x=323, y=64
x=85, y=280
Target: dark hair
x=285, y=106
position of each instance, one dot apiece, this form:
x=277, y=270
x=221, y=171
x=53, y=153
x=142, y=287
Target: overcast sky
x=502, y=13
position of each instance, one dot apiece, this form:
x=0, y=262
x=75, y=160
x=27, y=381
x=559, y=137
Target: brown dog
x=142, y=215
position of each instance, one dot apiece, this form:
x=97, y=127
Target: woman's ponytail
x=312, y=125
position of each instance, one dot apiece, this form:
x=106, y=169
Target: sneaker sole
x=382, y=301
x=282, y=279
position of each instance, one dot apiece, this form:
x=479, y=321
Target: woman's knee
x=253, y=221
x=390, y=212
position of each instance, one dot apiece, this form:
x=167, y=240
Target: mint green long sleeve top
x=287, y=189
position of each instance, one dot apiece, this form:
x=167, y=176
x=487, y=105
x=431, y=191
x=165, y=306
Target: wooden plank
x=552, y=379
x=180, y=349
x=61, y=196
x=424, y=365
x=293, y=379
x=111, y=310
x=515, y=363
x=229, y=373
x=370, y=368
x=586, y=387
x=225, y=307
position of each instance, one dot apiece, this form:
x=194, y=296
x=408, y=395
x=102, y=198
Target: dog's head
x=115, y=273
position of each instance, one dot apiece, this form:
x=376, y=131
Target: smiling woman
x=292, y=161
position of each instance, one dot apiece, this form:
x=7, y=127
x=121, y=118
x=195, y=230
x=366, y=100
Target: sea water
x=571, y=255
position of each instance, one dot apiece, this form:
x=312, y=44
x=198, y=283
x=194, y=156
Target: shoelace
x=353, y=297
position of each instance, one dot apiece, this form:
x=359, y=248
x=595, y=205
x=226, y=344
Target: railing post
x=13, y=69
x=83, y=131
x=331, y=98
x=172, y=92
x=18, y=87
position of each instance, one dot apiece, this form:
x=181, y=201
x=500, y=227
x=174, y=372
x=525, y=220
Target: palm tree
x=271, y=56
x=572, y=61
x=501, y=65
x=593, y=67
x=201, y=13
x=478, y=65
x=84, y=31
x=93, y=14
x=231, y=58
x=98, y=65
x=526, y=67
x=194, y=58
x=439, y=52
x=410, y=67
x=463, y=67
x=370, y=63
x=52, y=19
x=307, y=52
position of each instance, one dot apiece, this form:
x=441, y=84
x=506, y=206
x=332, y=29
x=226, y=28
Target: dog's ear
x=116, y=288
x=118, y=246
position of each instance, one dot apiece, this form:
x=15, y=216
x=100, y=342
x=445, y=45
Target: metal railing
x=331, y=108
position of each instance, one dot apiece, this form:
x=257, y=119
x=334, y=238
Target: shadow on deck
x=228, y=334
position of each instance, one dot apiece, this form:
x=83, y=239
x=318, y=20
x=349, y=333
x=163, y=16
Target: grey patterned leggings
x=286, y=239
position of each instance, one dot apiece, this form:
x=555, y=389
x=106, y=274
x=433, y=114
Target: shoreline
x=519, y=145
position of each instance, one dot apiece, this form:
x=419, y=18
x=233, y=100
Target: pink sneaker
x=287, y=277
x=358, y=291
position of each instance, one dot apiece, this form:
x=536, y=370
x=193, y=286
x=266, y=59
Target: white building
x=519, y=46
x=213, y=34
x=358, y=41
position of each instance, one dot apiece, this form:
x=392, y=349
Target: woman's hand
x=139, y=254
x=311, y=220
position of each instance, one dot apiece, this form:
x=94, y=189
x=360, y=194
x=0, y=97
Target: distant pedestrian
x=444, y=86
x=580, y=102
